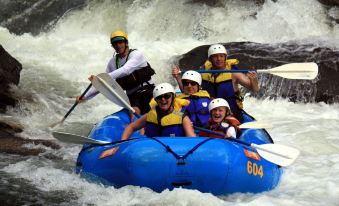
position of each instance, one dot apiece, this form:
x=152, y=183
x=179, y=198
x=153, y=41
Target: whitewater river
x=56, y=65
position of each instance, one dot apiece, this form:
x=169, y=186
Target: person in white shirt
x=131, y=70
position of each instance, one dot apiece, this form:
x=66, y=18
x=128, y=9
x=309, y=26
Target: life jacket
x=233, y=121
x=197, y=110
x=136, y=78
x=221, y=127
x=220, y=85
x=168, y=125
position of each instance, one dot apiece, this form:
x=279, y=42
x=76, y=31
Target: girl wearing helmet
x=221, y=120
x=166, y=118
x=226, y=85
x=199, y=99
x=131, y=70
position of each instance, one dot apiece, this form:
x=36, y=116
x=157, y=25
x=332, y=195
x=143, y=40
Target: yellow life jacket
x=223, y=77
x=178, y=103
x=201, y=93
x=170, y=124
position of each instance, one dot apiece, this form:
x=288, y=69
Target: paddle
x=72, y=108
x=308, y=71
x=255, y=125
x=278, y=154
x=76, y=139
x=112, y=91
x=79, y=139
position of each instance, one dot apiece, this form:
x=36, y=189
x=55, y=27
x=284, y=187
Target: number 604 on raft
x=254, y=169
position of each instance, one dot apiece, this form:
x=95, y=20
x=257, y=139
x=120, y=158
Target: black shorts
x=142, y=97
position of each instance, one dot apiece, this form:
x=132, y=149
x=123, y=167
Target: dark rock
x=9, y=74
x=9, y=68
x=330, y=2
x=323, y=88
x=34, y=16
x=12, y=143
x=221, y=3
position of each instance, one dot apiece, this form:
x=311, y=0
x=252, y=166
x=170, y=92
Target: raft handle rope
x=181, y=158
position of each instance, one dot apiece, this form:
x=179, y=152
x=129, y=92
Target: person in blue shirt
x=199, y=99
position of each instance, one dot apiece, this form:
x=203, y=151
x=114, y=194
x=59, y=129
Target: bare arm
x=176, y=74
x=140, y=123
x=231, y=133
x=187, y=124
x=250, y=81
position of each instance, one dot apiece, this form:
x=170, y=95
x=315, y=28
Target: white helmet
x=218, y=102
x=216, y=49
x=193, y=76
x=162, y=89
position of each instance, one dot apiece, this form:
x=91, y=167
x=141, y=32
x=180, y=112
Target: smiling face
x=120, y=47
x=218, y=61
x=218, y=114
x=190, y=87
x=164, y=101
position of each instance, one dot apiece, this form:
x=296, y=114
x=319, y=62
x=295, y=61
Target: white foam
x=56, y=66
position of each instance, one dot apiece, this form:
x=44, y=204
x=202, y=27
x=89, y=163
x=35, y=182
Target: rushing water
x=56, y=65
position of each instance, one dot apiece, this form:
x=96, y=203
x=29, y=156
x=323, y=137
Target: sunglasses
x=166, y=96
x=117, y=42
x=186, y=83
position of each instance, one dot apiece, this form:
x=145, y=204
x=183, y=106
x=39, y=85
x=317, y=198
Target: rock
x=9, y=74
x=13, y=144
x=34, y=16
x=330, y=2
x=263, y=56
x=221, y=3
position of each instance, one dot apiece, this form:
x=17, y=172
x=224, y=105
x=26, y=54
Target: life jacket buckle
x=181, y=161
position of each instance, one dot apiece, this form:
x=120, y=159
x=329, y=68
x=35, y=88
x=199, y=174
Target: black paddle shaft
x=76, y=103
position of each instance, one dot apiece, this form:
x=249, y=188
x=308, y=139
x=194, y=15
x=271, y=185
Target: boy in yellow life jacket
x=225, y=85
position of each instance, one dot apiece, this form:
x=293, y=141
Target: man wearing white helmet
x=131, y=70
x=166, y=118
x=225, y=85
x=199, y=99
x=221, y=120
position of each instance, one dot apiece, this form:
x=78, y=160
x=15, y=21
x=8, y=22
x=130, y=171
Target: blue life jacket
x=197, y=110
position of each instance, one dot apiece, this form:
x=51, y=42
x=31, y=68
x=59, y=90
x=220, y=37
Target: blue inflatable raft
x=212, y=165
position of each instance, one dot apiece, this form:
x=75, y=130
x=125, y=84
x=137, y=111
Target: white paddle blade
x=278, y=154
x=115, y=94
x=115, y=86
x=76, y=139
x=104, y=84
x=255, y=125
x=306, y=71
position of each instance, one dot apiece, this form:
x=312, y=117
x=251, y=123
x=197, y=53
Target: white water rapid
x=56, y=66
